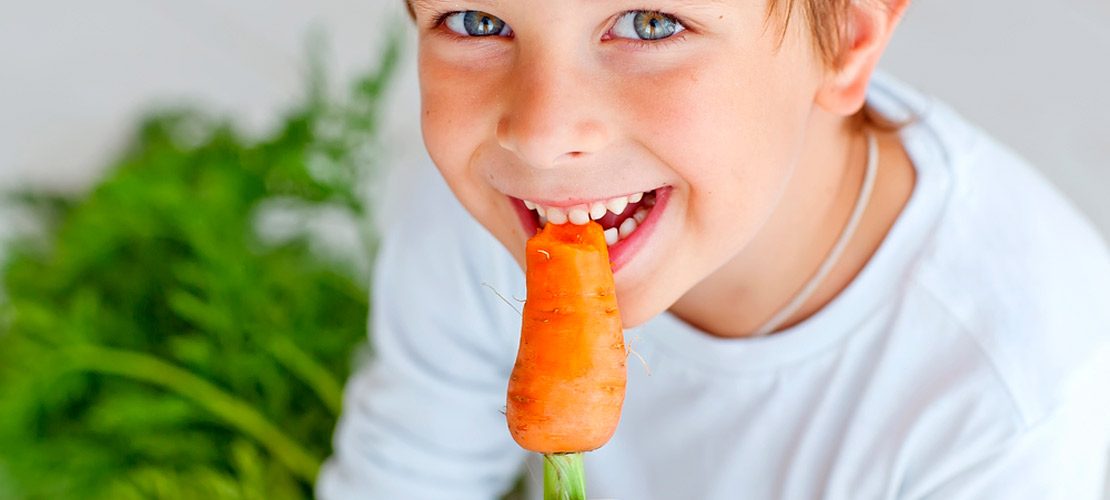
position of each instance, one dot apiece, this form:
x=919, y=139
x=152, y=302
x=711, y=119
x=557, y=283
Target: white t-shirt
x=970, y=359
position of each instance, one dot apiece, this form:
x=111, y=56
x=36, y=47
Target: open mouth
x=627, y=220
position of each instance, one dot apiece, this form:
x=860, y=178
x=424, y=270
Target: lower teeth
x=611, y=236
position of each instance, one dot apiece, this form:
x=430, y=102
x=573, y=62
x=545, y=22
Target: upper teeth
x=597, y=210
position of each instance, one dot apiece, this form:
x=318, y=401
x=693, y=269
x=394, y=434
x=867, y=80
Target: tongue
x=611, y=220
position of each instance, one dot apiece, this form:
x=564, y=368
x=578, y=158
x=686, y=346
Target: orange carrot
x=567, y=387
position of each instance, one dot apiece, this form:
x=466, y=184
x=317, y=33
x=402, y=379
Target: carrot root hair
x=503, y=299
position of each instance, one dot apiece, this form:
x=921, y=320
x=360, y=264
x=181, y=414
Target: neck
x=786, y=252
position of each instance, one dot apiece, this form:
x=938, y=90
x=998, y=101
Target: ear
x=869, y=26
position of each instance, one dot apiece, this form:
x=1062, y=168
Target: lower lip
x=623, y=251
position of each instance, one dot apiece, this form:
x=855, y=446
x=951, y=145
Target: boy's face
x=564, y=103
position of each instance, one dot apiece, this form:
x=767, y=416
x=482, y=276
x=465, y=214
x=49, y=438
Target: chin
x=636, y=310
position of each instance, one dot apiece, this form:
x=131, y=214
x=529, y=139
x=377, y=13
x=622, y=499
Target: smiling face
x=576, y=104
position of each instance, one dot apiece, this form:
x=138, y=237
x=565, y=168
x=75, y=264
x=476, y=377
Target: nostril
x=544, y=142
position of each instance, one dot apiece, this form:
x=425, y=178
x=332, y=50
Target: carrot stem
x=564, y=477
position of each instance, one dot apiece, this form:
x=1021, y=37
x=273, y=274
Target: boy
x=838, y=288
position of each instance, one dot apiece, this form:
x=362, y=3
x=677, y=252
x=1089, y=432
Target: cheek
x=452, y=100
x=458, y=112
x=730, y=135
x=453, y=129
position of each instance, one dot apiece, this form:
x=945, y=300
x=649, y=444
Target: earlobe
x=870, y=24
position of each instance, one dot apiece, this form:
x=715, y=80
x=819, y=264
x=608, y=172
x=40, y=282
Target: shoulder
x=422, y=224
x=417, y=208
x=436, y=264
x=1021, y=271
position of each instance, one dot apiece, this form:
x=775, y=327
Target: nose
x=550, y=116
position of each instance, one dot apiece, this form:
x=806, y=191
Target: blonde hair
x=825, y=19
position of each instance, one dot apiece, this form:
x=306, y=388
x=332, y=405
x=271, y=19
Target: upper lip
x=570, y=201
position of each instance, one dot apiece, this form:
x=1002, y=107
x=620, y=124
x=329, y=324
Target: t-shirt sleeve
x=1062, y=457
x=423, y=419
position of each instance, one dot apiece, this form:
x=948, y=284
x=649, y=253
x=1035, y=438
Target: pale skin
x=750, y=132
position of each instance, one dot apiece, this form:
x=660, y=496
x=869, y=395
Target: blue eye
x=646, y=25
x=476, y=23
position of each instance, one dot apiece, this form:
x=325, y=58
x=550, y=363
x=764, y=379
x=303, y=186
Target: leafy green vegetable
x=155, y=343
